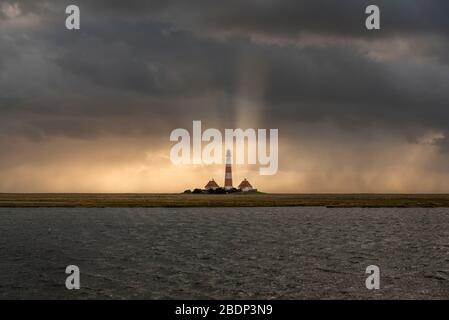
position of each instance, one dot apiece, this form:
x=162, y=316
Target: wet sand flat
x=250, y=199
x=224, y=253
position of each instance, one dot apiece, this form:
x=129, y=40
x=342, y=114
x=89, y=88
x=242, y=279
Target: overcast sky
x=92, y=110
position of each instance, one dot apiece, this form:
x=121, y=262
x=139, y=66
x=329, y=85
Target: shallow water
x=224, y=253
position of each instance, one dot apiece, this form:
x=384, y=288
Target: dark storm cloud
x=175, y=61
x=275, y=17
x=141, y=58
x=284, y=18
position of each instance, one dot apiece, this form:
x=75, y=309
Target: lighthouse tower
x=228, y=174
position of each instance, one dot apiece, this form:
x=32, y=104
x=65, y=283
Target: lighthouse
x=228, y=172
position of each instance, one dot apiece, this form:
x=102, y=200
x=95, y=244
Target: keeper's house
x=245, y=186
x=211, y=185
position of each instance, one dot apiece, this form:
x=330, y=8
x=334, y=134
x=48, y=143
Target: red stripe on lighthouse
x=228, y=172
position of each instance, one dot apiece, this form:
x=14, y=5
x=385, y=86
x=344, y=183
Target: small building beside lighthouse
x=245, y=186
x=211, y=185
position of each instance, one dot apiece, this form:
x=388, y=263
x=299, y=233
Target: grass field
x=67, y=200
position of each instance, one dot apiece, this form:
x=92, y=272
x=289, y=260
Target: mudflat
x=92, y=200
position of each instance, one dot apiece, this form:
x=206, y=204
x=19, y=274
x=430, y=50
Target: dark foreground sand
x=240, y=199
x=226, y=253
